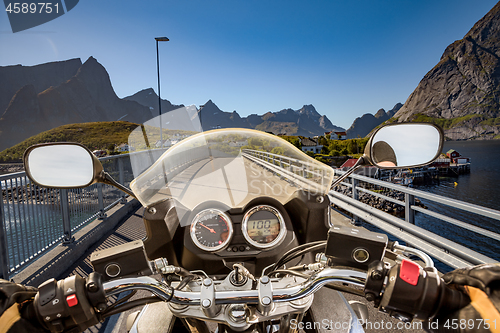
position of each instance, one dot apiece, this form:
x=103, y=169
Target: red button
x=72, y=300
x=409, y=272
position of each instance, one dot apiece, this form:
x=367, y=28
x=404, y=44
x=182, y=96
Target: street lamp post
x=159, y=39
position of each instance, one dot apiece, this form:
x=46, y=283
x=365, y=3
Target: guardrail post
x=63, y=196
x=100, y=198
x=355, y=195
x=121, y=178
x=4, y=254
x=409, y=213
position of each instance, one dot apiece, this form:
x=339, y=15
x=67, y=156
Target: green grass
x=444, y=123
x=491, y=122
x=97, y=135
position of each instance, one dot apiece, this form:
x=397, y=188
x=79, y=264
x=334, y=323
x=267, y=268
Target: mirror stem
x=359, y=163
x=105, y=178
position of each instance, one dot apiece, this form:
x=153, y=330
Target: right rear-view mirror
x=406, y=145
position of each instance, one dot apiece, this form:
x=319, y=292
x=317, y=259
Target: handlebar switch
x=412, y=291
x=95, y=291
x=47, y=291
x=377, y=271
x=63, y=305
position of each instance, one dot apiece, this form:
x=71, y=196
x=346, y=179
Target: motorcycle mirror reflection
x=399, y=146
x=61, y=165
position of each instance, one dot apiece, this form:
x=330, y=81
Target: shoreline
x=6, y=168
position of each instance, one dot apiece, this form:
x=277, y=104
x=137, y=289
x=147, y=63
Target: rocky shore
x=380, y=203
x=11, y=167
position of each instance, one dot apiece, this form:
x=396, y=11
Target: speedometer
x=211, y=230
x=263, y=226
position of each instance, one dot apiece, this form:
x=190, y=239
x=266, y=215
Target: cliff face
x=41, y=77
x=462, y=92
x=84, y=96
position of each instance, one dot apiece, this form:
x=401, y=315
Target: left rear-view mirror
x=61, y=165
x=406, y=145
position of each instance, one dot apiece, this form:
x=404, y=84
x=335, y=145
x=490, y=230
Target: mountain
x=87, y=96
x=149, y=98
x=213, y=117
x=462, y=92
x=41, y=77
x=34, y=99
x=306, y=121
x=363, y=125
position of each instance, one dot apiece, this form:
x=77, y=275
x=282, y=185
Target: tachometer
x=211, y=230
x=263, y=226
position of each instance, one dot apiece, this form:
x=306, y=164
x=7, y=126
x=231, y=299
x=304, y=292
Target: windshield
x=230, y=166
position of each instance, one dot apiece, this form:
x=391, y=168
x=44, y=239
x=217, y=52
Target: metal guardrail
x=301, y=172
x=442, y=249
x=445, y=250
x=34, y=219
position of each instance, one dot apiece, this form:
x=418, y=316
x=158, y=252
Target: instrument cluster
x=260, y=227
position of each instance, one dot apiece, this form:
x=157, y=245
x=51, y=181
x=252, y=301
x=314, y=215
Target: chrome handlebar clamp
x=265, y=290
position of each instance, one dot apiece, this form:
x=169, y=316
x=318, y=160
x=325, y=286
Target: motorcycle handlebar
x=420, y=293
x=301, y=290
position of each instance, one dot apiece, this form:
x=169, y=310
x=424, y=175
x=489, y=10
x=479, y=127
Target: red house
x=456, y=158
x=452, y=154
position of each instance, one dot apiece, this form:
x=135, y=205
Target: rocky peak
x=464, y=83
x=395, y=109
x=149, y=98
x=363, y=125
x=380, y=114
x=209, y=108
x=309, y=110
x=96, y=78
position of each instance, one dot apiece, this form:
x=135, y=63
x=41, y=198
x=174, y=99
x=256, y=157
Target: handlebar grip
x=451, y=301
x=411, y=291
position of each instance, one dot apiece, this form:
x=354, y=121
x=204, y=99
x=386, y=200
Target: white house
x=309, y=144
x=238, y=143
x=338, y=135
x=124, y=147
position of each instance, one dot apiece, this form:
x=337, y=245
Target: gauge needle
x=210, y=229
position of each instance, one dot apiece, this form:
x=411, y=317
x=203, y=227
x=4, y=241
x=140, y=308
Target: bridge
x=36, y=221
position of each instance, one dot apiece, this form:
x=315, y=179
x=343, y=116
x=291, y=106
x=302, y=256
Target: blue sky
x=347, y=58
